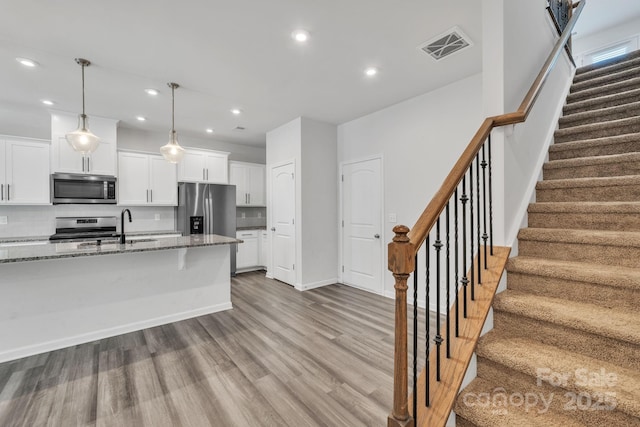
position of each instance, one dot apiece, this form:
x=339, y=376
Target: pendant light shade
x=82, y=139
x=172, y=151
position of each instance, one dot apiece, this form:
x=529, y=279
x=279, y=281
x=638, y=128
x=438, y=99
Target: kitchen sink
x=113, y=242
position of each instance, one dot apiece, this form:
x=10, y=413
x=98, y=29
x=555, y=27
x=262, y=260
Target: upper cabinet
x=249, y=179
x=203, y=166
x=146, y=179
x=65, y=159
x=24, y=171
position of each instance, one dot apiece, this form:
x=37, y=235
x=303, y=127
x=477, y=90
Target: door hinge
x=343, y=268
x=343, y=222
x=293, y=176
x=293, y=221
x=293, y=267
x=342, y=178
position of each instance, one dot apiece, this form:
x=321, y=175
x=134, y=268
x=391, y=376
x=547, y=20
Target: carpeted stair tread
x=604, y=275
x=481, y=415
x=595, y=147
x=609, y=78
x=589, y=237
x=600, y=208
x=598, y=130
x=611, y=66
x=597, y=166
x=607, y=89
x=527, y=356
x=615, y=323
x=605, y=101
x=601, y=115
x=617, y=181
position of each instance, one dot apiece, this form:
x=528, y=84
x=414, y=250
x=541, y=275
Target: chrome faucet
x=122, y=236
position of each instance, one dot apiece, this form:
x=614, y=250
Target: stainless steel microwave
x=82, y=189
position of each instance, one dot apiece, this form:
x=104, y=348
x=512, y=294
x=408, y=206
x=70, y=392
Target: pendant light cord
x=173, y=101
x=83, y=88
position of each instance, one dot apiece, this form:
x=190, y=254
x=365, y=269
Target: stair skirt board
x=565, y=348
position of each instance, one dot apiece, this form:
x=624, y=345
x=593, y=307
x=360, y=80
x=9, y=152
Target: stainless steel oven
x=82, y=189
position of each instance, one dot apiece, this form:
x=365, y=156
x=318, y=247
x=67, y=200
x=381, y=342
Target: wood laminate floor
x=280, y=358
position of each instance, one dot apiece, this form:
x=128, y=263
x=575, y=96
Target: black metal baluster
x=478, y=264
x=490, y=200
x=448, y=282
x=471, y=239
x=438, y=339
x=427, y=366
x=455, y=234
x=484, y=204
x=415, y=337
x=464, y=281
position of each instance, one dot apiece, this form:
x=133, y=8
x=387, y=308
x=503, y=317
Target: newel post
x=401, y=264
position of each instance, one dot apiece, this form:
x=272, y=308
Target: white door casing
x=362, y=243
x=283, y=237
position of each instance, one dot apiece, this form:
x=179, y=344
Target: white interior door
x=362, y=216
x=283, y=210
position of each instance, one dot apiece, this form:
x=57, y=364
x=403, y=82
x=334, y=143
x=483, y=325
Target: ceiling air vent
x=447, y=43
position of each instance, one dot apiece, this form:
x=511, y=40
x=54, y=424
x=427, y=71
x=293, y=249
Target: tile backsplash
x=40, y=220
x=251, y=216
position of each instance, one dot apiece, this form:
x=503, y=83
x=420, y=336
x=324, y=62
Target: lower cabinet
x=247, y=256
x=252, y=254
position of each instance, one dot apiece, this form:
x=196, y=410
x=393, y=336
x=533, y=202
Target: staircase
x=565, y=350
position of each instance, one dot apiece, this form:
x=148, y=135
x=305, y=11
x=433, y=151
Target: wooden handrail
x=406, y=243
x=435, y=207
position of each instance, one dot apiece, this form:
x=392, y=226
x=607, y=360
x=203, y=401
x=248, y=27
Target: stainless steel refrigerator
x=208, y=209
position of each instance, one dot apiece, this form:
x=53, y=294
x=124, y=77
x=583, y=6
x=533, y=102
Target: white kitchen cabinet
x=249, y=179
x=203, y=166
x=65, y=159
x=263, y=237
x=146, y=179
x=247, y=256
x=24, y=171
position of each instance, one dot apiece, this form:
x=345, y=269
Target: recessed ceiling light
x=236, y=111
x=47, y=102
x=371, y=71
x=141, y=119
x=300, y=36
x=151, y=92
x=209, y=130
x=27, y=62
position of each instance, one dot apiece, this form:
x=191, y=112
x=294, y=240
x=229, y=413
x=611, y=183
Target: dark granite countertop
x=254, y=227
x=47, y=250
x=46, y=238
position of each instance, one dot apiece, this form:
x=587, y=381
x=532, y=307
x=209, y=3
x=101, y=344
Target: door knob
x=273, y=229
x=377, y=236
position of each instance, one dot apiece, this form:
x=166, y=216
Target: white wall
x=603, y=39
x=133, y=139
x=319, y=202
x=419, y=139
x=312, y=146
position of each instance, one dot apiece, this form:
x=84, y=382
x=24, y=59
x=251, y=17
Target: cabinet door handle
x=1, y=191
x=203, y=178
x=249, y=197
x=82, y=163
x=273, y=229
x=147, y=195
x=207, y=174
x=88, y=165
x=151, y=193
x=8, y=192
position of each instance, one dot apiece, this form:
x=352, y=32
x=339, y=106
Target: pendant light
x=82, y=139
x=172, y=151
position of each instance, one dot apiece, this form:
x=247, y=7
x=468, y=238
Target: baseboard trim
x=314, y=285
x=31, y=350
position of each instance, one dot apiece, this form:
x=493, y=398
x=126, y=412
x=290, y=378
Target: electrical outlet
x=3, y=220
x=157, y=217
x=244, y=215
x=259, y=214
x=393, y=218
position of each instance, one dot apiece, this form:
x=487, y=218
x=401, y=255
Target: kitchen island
x=54, y=295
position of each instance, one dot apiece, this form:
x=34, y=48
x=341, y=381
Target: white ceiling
x=602, y=14
x=226, y=54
